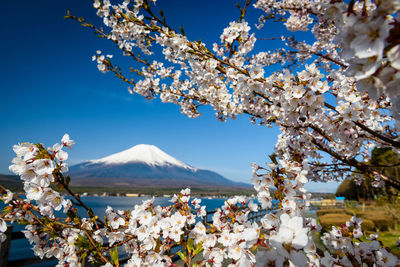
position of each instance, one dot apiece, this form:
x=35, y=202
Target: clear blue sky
x=49, y=86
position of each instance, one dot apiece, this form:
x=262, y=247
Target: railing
x=5, y=246
x=5, y=250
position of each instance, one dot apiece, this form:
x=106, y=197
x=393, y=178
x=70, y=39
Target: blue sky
x=49, y=86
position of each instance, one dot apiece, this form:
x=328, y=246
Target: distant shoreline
x=14, y=183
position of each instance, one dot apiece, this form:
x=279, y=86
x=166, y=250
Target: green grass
x=389, y=240
x=384, y=216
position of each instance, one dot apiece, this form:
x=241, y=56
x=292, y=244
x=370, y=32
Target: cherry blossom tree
x=334, y=98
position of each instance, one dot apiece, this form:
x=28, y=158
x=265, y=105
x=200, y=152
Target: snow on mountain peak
x=148, y=154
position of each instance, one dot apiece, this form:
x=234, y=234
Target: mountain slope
x=12, y=182
x=145, y=165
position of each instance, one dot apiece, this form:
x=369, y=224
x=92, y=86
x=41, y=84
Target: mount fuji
x=145, y=166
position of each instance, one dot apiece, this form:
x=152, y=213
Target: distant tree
x=388, y=163
x=355, y=190
x=348, y=189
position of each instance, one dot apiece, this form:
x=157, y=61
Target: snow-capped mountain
x=147, y=154
x=144, y=165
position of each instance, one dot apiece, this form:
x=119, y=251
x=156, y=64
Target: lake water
x=22, y=249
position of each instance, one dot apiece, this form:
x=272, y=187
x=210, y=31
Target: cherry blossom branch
x=127, y=239
x=386, y=139
x=60, y=179
x=278, y=86
x=93, y=244
x=25, y=208
x=102, y=34
x=324, y=56
x=244, y=10
x=294, y=43
x=360, y=166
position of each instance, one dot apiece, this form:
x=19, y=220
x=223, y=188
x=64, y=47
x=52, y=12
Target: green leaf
x=91, y=213
x=83, y=256
x=82, y=242
x=82, y=239
x=181, y=255
x=59, y=188
x=273, y=158
x=67, y=179
x=114, y=255
x=68, y=15
x=162, y=15
x=199, y=248
x=77, y=220
x=182, y=31
x=190, y=244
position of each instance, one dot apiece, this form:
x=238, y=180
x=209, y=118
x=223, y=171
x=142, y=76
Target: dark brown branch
x=60, y=179
x=330, y=59
x=380, y=136
x=146, y=6
x=387, y=165
x=270, y=38
x=358, y=165
x=327, y=164
x=100, y=33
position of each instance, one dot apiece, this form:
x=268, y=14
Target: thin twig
x=105, y=260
